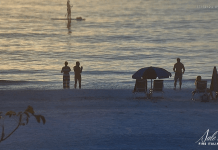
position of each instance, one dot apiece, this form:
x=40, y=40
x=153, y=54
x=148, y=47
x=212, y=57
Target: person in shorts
x=179, y=70
x=77, y=73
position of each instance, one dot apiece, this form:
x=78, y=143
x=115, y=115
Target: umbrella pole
x=151, y=83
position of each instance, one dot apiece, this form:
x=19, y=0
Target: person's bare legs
x=175, y=81
x=75, y=83
x=180, y=82
x=79, y=82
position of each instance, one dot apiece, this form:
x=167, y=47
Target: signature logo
x=208, y=140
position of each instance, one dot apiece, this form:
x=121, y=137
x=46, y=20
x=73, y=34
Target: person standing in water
x=77, y=73
x=66, y=76
x=179, y=69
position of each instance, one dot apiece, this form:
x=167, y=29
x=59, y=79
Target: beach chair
x=157, y=87
x=201, y=88
x=140, y=87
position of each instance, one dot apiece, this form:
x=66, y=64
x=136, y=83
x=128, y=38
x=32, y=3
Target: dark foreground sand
x=109, y=119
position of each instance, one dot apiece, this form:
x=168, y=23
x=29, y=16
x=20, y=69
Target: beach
x=109, y=119
x=116, y=39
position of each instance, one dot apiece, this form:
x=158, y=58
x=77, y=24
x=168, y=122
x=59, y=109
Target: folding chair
x=140, y=87
x=157, y=87
x=201, y=88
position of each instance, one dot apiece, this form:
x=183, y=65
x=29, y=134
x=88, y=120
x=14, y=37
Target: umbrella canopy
x=151, y=73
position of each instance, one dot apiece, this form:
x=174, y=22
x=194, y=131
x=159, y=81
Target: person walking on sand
x=66, y=77
x=179, y=69
x=77, y=73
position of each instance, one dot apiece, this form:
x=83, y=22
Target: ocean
x=116, y=39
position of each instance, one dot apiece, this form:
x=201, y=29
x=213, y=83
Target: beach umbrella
x=151, y=73
x=214, y=81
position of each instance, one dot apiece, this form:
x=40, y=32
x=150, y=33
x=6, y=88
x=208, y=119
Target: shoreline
x=34, y=85
x=169, y=94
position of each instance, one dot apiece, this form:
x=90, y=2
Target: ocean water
x=116, y=39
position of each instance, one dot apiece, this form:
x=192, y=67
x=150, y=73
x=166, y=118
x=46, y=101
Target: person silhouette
x=179, y=69
x=66, y=76
x=77, y=74
x=68, y=10
x=198, y=79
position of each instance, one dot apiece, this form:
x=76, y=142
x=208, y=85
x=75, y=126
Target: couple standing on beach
x=66, y=76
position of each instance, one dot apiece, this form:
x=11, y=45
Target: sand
x=109, y=119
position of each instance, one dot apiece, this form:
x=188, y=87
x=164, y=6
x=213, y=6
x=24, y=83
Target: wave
x=18, y=35
x=106, y=72
x=7, y=82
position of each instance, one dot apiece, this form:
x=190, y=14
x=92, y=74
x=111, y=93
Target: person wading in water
x=66, y=76
x=77, y=73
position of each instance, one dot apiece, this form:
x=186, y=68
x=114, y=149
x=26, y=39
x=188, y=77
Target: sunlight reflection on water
x=116, y=37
